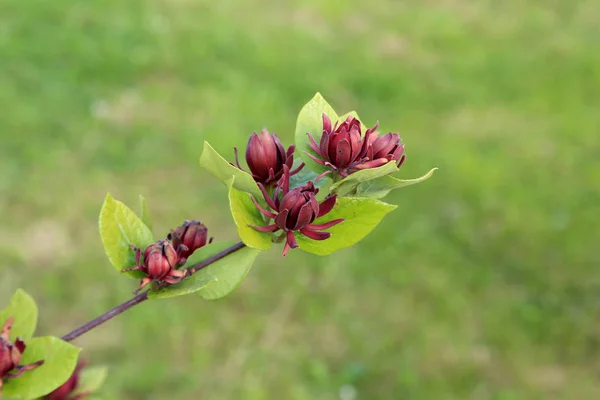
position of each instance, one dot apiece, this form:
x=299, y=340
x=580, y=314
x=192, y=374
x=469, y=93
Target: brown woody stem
x=144, y=296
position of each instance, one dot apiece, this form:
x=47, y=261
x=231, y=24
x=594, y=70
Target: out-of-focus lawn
x=483, y=284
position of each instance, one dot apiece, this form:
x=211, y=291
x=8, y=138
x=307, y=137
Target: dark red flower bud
x=188, y=238
x=295, y=211
x=342, y=148
x=159, y=259
x=266, y=157
x=11, y=353
x=65, y=391
x=160, y=262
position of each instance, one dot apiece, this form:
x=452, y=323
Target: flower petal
x=326, y=225
x=314, y=234
x=326, y=205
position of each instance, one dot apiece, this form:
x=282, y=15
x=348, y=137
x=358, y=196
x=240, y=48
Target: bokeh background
x=483, y=284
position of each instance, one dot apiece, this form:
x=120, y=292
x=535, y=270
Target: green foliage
x=224, y=171
x=229, y=271
x=382, y=186
x=23, y=309
x=59, y=356
x=361, y=216
x=60, y=359
x=189, y=285
x=91, y=379
x=348, y=185
x=119, y=228
x=310, y=120
x=145, y=212
x=245, y=214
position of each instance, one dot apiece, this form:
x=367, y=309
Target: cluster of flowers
x=163, y=258
x=342, y=149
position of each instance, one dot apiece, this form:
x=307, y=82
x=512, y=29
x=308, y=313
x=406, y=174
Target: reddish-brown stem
x=144, y=296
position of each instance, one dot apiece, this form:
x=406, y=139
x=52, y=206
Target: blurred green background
x=483, y=284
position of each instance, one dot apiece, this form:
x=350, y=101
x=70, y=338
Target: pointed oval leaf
x=361, y=216
x=310, y=120
x=189, y=285
x=229, y=271
x=381, y=187
x=224, y=171
x=119, y=228
x=245, y=214
x=60, y=359
x=91, y=379
x=348, y=185
x=23, y=309
x=145, y=212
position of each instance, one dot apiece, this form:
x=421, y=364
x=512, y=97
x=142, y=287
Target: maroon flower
x=188, y=238
x=11, y=353
x=266, y=157
x=65, y=391
x=386, y=147
x=160, y=261
x=295, y=211
x=342, y=148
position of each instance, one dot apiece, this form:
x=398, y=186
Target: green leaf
x=244, y=214
x=348, y=184
x=305, y=175
x=310, y=120
x=189, y=285
x=60, y=359
x=91, y=379
x=23, y=309
x=361, y=216
x=223, y=171
x=119, y=228
x=145, y=212
x=229, y=271
x=381, y=187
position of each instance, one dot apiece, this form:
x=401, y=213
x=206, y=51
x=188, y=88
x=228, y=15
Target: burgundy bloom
x=342, y=148
x=266, y=157
x=160, y=261
x=11, y=353
x=295, y=211
x=65, y=391
x=188, y=238
x=386, y=147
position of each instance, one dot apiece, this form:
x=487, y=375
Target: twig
x=144, y=296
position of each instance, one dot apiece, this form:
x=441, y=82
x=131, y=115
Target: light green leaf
x=223, y=171
x=119, y=228
x=229, y=271
x=188, y=285
x=244, y=214
x=145, y=212
x=23, y=309
x=305, y=175
x=91, y=379
x=60, y=359
x=310, y=120
x=348, y=184
x=381, y=187
x=361, y=216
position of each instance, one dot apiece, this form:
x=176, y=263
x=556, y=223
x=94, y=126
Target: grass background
x=483, y=284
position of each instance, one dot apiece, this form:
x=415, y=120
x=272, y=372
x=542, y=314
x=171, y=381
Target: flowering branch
x=144, y=296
